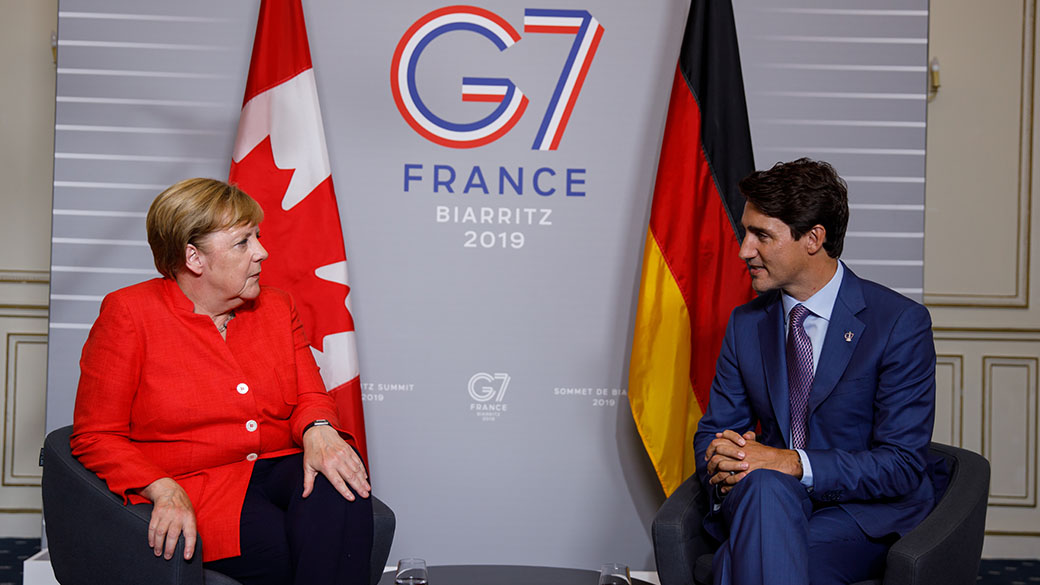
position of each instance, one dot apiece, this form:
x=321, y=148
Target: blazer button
x=251, y=457
x=251, y=425
x=242, y=388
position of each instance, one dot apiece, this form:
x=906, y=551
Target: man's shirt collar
x=822, y=302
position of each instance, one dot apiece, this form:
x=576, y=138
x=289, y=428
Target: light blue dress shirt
x=820, y=306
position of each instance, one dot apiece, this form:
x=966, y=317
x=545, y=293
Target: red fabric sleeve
x=313, y=401
x=110, y=370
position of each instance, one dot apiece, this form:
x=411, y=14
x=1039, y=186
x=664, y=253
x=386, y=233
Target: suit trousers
x=323, y=539
x=778, y=535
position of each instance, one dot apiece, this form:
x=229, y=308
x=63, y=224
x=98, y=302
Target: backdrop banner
x=493, y=168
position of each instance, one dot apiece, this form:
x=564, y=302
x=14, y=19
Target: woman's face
x=232, y=258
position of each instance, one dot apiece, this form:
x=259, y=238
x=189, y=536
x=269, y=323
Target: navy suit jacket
x=871, y=407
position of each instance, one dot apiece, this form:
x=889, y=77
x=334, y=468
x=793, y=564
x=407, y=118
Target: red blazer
x=161, y=394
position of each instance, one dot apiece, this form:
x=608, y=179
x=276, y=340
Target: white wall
x=26, y=157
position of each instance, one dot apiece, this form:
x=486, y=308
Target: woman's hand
x=172, y=515
x=325, y=452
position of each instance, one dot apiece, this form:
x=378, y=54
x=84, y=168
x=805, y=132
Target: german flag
x=692, y=277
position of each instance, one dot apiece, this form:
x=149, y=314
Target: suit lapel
x=771, y=341
x=843, y=335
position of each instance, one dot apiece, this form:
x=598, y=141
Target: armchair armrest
x=90, y=532
x=947, y=545
x=679, y=535
x=384, y=523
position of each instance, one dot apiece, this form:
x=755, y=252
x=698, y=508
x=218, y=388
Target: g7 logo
x=481, y=386
x=511, y=101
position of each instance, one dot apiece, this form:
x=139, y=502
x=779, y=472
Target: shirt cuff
x=807, y=477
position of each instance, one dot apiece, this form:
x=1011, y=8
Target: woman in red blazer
x=198, y=392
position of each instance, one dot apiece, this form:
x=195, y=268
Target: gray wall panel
x=106, y=167
x=148, y=144
x=895, y=249
x=214, y=91
x=886, y=220
x=834, y=134
x=895, y=275
x=156, y=115
x=113, y=256
x=109, y=198
x=882, y=190
x=65, y=311
x=827, y=103
x=123, y=228
x=90, y=279
x=69, y=344
x=845, y=82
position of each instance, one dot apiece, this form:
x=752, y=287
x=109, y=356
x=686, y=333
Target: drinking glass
x=614, y=574
x=411, y=572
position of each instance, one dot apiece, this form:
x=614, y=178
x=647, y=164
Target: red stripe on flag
x=280, y=49
x=689, y=221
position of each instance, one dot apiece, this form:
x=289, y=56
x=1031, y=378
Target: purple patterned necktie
x=799, y=374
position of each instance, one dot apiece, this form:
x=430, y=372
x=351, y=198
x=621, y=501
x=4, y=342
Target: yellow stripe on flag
x=663, y=405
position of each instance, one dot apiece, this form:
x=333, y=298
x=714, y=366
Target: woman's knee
x=267, y=563
x=326, y=504
x=327, y=493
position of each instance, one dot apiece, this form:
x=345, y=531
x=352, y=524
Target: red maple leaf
x=299, y=241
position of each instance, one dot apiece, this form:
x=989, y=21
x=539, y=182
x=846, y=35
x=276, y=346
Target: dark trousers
x=778, y=536
x=286, y=539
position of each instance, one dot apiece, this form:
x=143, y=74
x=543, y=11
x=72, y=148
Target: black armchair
x=945, y=549
x=93, y=538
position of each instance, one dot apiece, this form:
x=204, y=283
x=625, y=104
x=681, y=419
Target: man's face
x=775, y=259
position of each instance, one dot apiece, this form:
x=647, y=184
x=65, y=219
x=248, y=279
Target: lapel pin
x=848, y=336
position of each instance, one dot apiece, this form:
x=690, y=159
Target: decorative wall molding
x=1024, y=334
x=949, y=415
x=26, y=353
x=25, y=276
x=1009, y=389
x=19, y=311
x=1019, y=295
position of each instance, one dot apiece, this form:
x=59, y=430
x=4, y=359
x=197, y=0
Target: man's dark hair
x=802, y=193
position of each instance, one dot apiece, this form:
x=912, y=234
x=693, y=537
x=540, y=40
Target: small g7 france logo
x=512, y=103
x=484, y=386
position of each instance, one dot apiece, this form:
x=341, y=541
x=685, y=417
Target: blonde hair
x=189, y=210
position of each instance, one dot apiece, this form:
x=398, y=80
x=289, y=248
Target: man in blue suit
x=813, y=447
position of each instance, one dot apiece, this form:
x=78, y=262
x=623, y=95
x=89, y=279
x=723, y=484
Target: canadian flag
x=281, y=160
